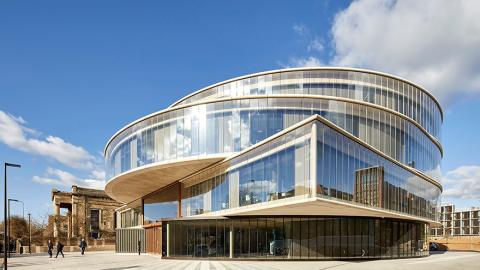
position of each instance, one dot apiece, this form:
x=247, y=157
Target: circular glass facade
x=359, y=142
x=367, y=86
x=406, y=130
x=230, y=126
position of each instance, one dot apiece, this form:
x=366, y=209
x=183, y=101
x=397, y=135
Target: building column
x=313, y=161
x=86, y=217
x=74, y=219
x=69, y=228
x=55, y=228
x=179, y=210
x=168, y=239
x=56, y=210
x=230, y=234
x=100, y=221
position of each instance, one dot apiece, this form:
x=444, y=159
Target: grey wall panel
x=127, y=240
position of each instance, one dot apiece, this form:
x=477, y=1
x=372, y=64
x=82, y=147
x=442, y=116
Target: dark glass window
x=296, y=238
x=94, y=223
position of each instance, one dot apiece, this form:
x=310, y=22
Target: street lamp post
x=5, y=236
x=9, y=231
x=23, y=206
x=29, y=235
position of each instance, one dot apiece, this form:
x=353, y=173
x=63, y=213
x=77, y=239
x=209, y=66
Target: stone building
x=83, y=212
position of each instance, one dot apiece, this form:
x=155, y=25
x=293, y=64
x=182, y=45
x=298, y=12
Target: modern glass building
x=303, y=163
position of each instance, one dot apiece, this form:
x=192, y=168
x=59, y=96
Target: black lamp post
x=29, y=235
x=9, y=231
x=23, y=206
x=5, y=236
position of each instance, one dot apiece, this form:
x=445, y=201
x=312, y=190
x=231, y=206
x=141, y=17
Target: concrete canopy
x=137, y=183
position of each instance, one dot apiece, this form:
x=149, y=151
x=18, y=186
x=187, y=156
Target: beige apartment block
x=457, y=222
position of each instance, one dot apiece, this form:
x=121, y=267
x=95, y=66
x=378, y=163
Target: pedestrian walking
x=59, y=249
x=83, y=246
x=50, y=248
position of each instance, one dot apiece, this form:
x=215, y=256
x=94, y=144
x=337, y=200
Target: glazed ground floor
x=293, y=238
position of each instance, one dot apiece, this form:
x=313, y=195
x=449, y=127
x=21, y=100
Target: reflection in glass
x=298, y=238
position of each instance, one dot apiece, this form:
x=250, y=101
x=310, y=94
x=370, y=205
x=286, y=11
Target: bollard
x=138, y=247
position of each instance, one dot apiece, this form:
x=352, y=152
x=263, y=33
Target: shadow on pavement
x=121, y=268
x=438, y=252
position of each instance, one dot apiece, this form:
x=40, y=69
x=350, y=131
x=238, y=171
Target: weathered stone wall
x=77, y=223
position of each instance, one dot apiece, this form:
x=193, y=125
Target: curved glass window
x=349, y=171
x=281, y=168
x=377, y=89
x=294, y=238
x=230, y=126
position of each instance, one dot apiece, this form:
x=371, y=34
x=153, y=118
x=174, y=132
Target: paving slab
x=114, y=261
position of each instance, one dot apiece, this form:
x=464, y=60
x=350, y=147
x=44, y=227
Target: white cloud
x=16, y=135
x=316, y=45
x=93, y=183
x=300, y=29
x=433, y=42
x=57, y=177
x=462, y=183
x=99, y=174
x=309, y=61
x=313, y=42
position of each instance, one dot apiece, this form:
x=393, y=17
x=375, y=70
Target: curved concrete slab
x=137, y=183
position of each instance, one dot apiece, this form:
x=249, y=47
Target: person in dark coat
x=50, y=248
x=83, y=246
x=59, y=249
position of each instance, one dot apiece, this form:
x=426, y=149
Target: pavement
x=113, y=261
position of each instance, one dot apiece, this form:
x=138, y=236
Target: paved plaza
x=112, y=261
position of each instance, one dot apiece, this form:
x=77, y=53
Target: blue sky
x=74, y=72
